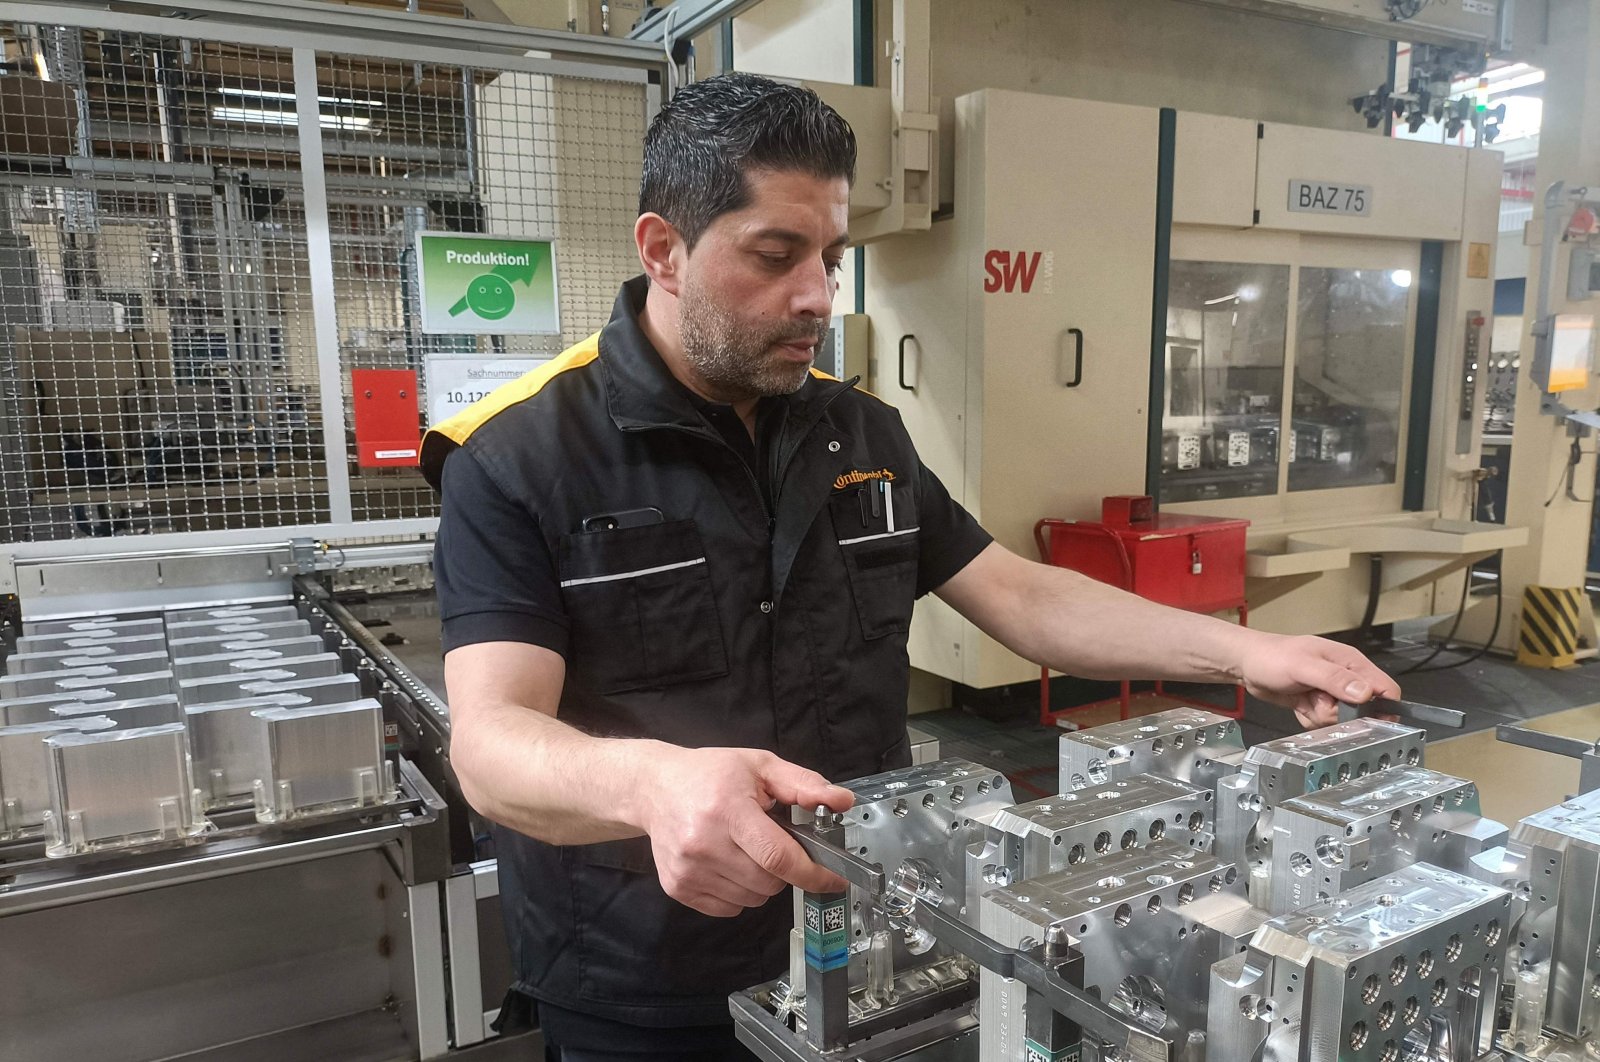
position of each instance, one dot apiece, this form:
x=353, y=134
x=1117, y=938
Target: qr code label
x=833, y=919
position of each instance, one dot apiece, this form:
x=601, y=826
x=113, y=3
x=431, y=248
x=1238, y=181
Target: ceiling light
x=1223, y=298
x=40, y=65
x=273, y=94
x=259, y=116
x=1400, y=278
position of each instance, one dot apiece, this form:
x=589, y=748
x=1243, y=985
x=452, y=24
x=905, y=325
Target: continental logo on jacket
x=851, y=479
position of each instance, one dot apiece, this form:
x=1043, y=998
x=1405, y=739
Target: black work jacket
x=723, y=624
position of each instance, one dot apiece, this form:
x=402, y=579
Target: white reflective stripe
x=874, y=538
x=633, y=574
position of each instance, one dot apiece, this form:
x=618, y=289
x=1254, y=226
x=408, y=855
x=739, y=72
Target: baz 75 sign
x=1329, y=197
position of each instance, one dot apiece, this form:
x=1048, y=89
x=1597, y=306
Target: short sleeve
x=493, y=571
x=949, y=537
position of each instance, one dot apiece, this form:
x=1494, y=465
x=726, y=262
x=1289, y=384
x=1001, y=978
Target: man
x=676, y=570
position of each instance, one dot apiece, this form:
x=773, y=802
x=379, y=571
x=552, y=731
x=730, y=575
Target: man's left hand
x=1311, y=675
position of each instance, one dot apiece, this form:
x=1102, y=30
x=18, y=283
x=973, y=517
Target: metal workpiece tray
x=320, y=759
x=119, y=789
x=412, y=829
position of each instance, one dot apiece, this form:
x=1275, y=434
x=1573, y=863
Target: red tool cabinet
x=1189, y=562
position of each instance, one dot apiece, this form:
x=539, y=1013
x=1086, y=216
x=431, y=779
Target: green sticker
x=1035, y=1052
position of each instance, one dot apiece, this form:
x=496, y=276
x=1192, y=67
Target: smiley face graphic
x=490, y=296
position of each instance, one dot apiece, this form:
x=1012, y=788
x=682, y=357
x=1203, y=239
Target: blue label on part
x=827, y=934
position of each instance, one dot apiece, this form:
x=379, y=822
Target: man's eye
x=775, y=259
x=834, y=267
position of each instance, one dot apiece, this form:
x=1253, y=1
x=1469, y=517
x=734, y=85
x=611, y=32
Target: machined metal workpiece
x=920, y=820
x=1557, y=942
x=1329, y=841
x=222, y=660
x=82, y=655
x=92, y=627
x=1186, y=744
x=125, y=714
x=119, y=789
x=1406, y=965
x=17, y=711
x=1070, y=829
x=44, y=683
x=321, y=759
x=1293, y=766
x=330, y=689
x=190, y=644
x=123, y=687
x=25, y=773
x=1303, y=763
x=229, y=747
x=1130, y=916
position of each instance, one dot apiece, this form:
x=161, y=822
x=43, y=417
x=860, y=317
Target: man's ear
x=662, y=251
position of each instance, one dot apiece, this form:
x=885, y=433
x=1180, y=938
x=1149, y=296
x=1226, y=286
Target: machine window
x=1350, y=360
x=1227, y=324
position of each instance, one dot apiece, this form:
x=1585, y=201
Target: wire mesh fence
x=160, y=361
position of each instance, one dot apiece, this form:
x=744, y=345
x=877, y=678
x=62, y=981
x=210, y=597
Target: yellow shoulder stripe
x=461, y=426
x=819, y=374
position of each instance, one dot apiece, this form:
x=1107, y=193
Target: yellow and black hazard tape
x=1548, y=636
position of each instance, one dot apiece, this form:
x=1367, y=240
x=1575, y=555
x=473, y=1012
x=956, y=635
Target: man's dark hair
x=702, y=144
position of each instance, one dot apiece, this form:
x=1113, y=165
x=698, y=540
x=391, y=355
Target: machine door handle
x=902, y=366
x=1077, y=357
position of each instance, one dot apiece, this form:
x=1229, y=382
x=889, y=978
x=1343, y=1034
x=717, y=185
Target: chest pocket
x=880, y=558
x=642, y=607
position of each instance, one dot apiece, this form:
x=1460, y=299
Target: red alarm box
x=388, y=420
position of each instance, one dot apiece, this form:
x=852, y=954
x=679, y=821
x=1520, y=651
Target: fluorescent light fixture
x=40, y=65
x=259, y=116
x=1224, y=298
x=1510, y=84
x=273, y=94
x=1400, y=278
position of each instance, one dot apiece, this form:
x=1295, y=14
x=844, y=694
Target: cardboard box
x=77, y=386
x=37, y=117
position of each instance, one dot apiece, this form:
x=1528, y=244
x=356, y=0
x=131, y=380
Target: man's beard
x=734, y=358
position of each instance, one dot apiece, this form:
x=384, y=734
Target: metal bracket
x=1406, y=711
x=303, y=555
x=1587, y=753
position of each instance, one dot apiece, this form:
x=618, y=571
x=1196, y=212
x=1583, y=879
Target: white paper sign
x=455, y=383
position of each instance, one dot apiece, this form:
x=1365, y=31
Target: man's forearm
x=540, y=777
x=1082, y=627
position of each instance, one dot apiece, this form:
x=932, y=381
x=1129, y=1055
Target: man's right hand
x=716, y=848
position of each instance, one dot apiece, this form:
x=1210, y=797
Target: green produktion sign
x=487, y=284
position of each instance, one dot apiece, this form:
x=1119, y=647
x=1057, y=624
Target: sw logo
x=1010, y=270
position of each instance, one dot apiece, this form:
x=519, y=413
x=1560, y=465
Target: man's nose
x=813, y=294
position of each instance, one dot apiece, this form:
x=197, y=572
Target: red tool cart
x=1188, y=562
